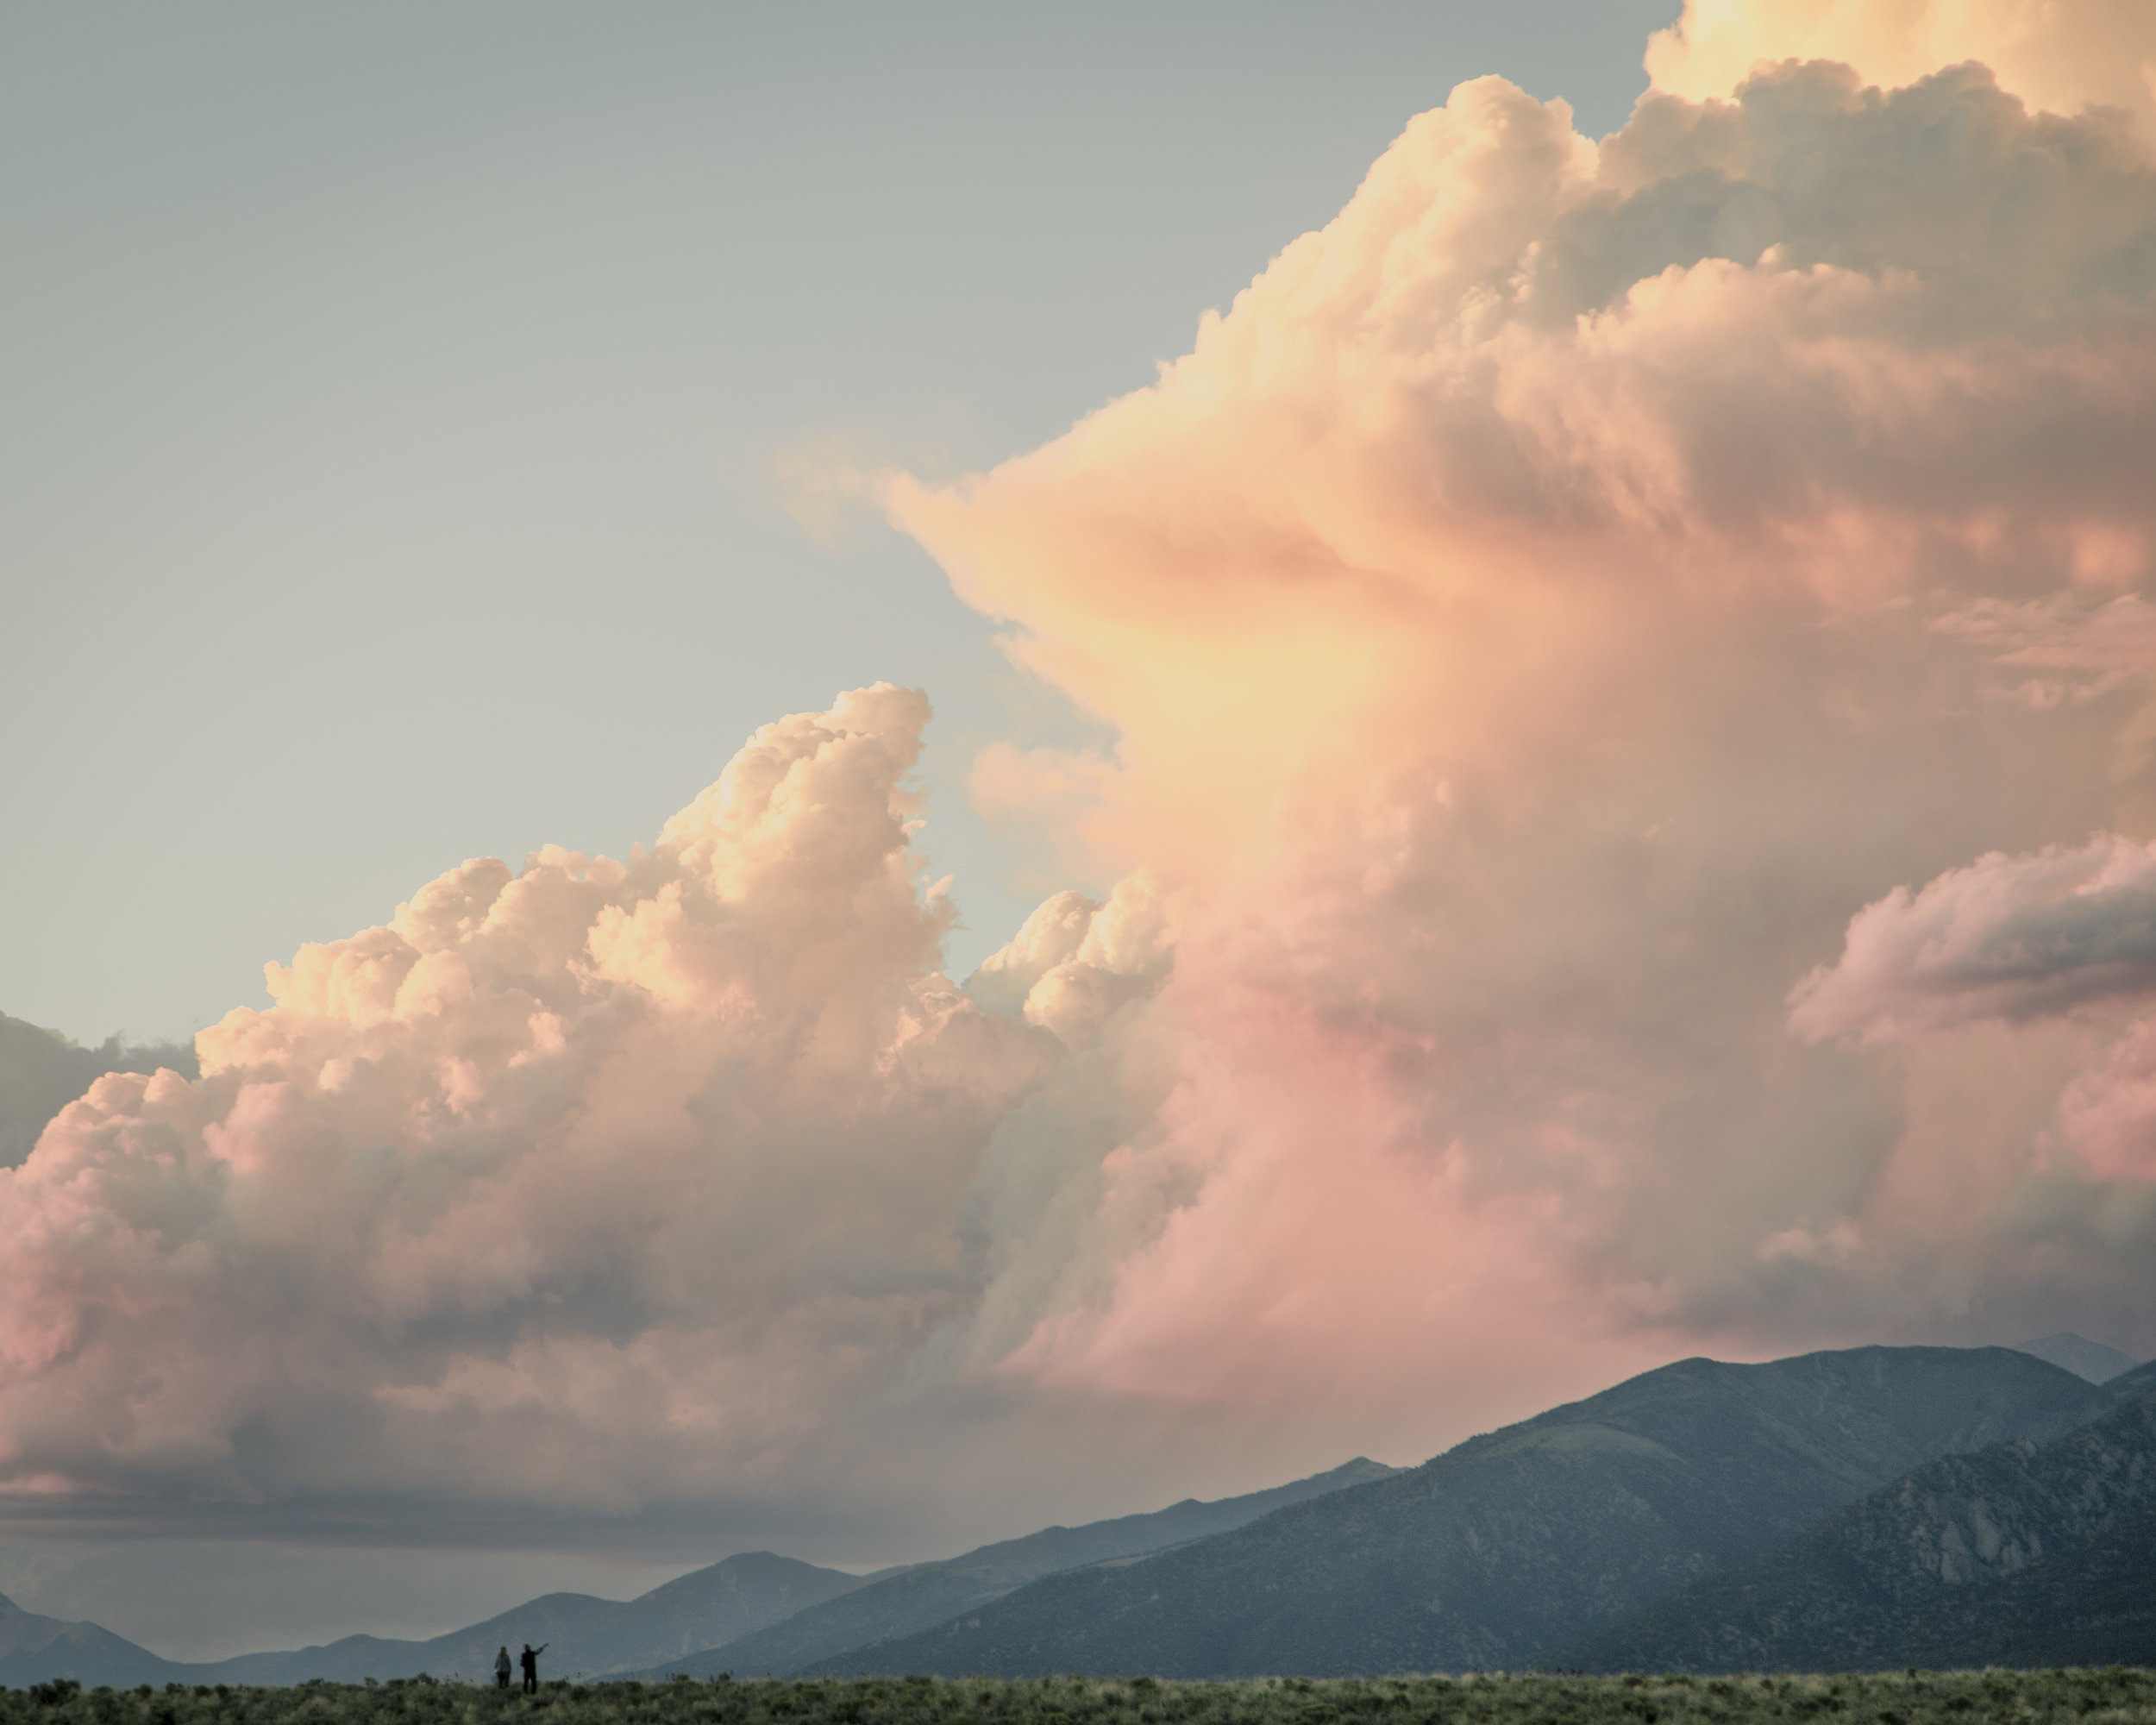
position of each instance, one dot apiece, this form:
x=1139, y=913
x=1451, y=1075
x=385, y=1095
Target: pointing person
x=531, y=1665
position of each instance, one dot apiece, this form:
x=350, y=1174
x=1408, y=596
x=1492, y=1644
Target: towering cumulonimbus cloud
x=1538, y=616
x=1631, y=814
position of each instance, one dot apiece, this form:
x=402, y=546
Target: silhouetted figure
x=501, y=1668
x=531, y=1665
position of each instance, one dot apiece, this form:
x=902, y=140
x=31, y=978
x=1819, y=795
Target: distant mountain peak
x=2080, y=1355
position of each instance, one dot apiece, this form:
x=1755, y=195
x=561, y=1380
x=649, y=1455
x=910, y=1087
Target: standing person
x=531, y=1665
x=501, y=1668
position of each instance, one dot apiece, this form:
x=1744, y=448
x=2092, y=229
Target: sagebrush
x=2112, y=1696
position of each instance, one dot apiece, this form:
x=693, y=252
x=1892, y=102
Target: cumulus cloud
x=1555, y=609
x=42, y=1071
x=1075, y=962
x=595, y=1182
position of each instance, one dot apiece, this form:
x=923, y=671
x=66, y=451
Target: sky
x=1217, y=738
x=414, y=413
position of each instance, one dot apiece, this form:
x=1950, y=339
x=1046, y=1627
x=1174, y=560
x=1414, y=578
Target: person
x=531, y=1665
x=501, y=1668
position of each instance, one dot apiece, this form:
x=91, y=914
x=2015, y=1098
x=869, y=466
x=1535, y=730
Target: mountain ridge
x=740, y=1593
x=1502, y=1546
x=928, y=1594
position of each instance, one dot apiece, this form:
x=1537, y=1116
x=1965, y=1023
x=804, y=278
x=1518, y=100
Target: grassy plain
x=2112, y=1696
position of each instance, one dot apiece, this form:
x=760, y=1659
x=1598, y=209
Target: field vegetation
x=2112, y=1696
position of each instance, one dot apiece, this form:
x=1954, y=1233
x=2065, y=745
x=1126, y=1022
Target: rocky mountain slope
x=2018, y=1555
x=1520, y=1542
x=929, y=1594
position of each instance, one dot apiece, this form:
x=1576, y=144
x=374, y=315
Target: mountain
x=2128, y=1384
x=2017, y=1555
x=584, y=1635
x=33, y=1649
x=928, y=1594
x=1521, y=1540
x=2080, y=1355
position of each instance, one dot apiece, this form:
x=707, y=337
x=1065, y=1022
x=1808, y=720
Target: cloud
x=2008, y=938
x=2063, y=934
x=1556, y=607
x=2063, y=633
x=2064, y=55
x=1550, y=602
x=41, y=1071
x=2107, y=1115
x=1075, y=962
x=590, y=1183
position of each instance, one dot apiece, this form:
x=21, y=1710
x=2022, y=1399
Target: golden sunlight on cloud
x=2066, y=58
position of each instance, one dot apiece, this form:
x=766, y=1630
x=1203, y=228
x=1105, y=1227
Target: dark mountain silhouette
x=928, y=1594
x=2080, y=1355
x=588, y=1636
x=1523, y=1540
x=2016, y=1555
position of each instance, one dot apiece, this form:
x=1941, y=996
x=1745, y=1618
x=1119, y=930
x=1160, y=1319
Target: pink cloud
x=2107, y=1116
x=2008, y=938
x=591, y=1182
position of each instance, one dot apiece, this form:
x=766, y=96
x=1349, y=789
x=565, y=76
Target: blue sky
x=399, y=397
